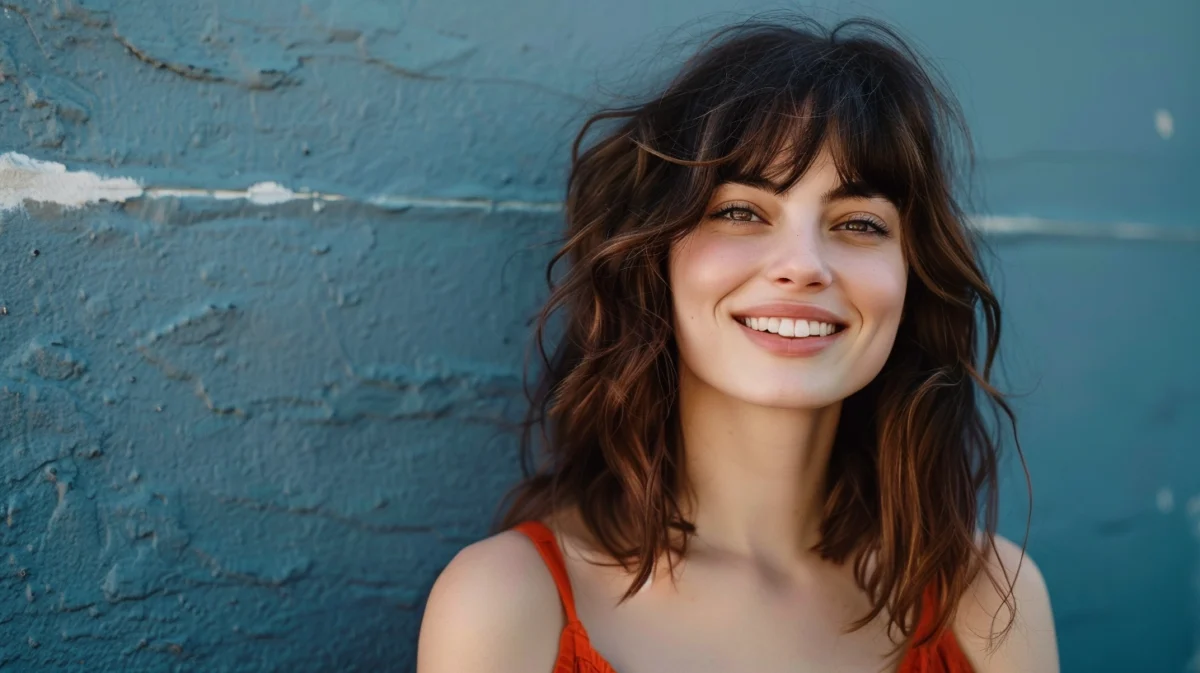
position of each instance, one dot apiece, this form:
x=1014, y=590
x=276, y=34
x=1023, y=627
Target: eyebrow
x=846, y=190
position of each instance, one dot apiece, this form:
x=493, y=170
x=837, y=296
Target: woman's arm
x=494, y=609
x=1030, y=646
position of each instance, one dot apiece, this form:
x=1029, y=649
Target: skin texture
x=757, y=431
x=792, y=248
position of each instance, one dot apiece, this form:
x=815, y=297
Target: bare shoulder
x=1030, y=646
x=494, y=608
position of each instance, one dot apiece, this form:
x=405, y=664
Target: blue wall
x=243, y=435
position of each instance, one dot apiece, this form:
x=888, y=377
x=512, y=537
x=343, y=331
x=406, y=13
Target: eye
x=862, y=224
x=738, y=213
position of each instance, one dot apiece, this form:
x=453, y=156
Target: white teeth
x=790, y=327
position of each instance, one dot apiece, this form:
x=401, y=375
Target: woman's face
x=762, y=280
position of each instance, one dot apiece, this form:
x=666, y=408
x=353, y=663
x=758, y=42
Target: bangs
x=775, y=107
x=780, y=147
x=779, y=143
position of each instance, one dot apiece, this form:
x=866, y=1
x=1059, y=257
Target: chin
x=788, y=395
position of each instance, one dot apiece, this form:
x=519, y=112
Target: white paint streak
x=259, y=194
x=1136, y=231
x=1164, y=123
x=26, y=179
x=1165, y=500
x=389, y=202
x=269, y=194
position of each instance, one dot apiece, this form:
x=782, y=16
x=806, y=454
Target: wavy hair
x=913, y=458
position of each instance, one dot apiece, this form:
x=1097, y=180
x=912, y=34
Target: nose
x=801, y=260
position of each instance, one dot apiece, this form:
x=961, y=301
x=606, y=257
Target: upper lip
x=791, y=310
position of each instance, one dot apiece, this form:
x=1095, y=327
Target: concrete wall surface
x=266, y=269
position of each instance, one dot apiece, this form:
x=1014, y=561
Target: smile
x=791, y=337
x=791, y=328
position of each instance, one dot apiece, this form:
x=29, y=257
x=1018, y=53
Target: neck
x=755, y=475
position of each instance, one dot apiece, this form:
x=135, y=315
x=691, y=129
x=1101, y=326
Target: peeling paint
x=47, y=358
x=25, y=179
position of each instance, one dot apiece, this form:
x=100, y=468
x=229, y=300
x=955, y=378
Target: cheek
x=704, y=268
x=877, y=288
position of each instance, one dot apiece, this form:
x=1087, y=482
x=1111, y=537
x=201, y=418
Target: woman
x=762, y=446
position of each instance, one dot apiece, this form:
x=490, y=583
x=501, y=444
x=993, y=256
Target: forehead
x=783, y=174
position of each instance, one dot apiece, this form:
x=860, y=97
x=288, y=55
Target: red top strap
x=576, y=655
x=547, y=545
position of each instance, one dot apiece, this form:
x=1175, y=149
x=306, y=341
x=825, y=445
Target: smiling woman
x=762, y=445
x=773, y=255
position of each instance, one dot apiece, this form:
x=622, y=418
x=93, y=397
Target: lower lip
x=788, y=346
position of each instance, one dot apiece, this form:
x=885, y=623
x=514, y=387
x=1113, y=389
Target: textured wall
x=253, y=402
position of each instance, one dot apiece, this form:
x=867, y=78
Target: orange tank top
x=575, y=653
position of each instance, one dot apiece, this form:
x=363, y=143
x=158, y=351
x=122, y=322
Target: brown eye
x=736, y=213
x=862, y=225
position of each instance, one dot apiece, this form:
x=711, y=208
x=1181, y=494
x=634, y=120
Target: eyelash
x=878, y=228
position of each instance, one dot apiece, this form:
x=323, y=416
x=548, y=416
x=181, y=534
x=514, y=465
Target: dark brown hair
x=913, y=456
